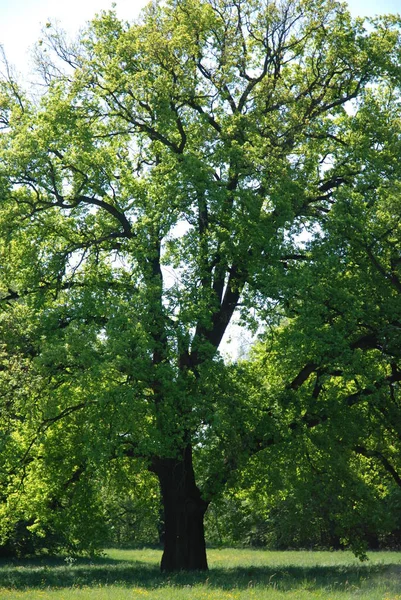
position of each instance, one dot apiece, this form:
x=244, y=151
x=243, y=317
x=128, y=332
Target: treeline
x=292, y=519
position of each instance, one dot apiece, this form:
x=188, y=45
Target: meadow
x=234, y=574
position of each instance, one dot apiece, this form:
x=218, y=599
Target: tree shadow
x=65, y=573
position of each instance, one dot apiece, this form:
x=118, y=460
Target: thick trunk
x=184, y=510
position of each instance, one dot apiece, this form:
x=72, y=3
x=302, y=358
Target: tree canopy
x=212, y=161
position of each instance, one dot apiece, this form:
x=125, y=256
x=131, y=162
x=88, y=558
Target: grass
x=233, y=575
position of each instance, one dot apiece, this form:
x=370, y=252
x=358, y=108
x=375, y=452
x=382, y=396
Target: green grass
x=233, y=575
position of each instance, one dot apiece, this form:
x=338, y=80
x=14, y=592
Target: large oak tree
x=158, y=185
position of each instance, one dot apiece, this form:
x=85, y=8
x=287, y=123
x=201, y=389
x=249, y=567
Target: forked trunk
x=184, y=510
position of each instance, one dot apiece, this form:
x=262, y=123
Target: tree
x=333, y=367
x=152, y=193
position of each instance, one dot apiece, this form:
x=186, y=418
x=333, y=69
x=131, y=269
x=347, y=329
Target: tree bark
x=184, y=510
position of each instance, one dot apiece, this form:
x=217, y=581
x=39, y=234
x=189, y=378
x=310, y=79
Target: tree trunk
x=184, y=510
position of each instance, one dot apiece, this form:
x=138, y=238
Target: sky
x=21, y=21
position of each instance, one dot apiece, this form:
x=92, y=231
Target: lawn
x=234, y=575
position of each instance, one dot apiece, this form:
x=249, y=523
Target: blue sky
x=21, y=20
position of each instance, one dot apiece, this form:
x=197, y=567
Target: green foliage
x=211, y=160
x=313, y=502
x=132, y=507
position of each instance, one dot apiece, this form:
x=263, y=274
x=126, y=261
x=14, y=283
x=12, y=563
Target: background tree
x=154, y=191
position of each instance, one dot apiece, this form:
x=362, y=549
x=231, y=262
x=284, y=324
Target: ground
x=234, y=574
